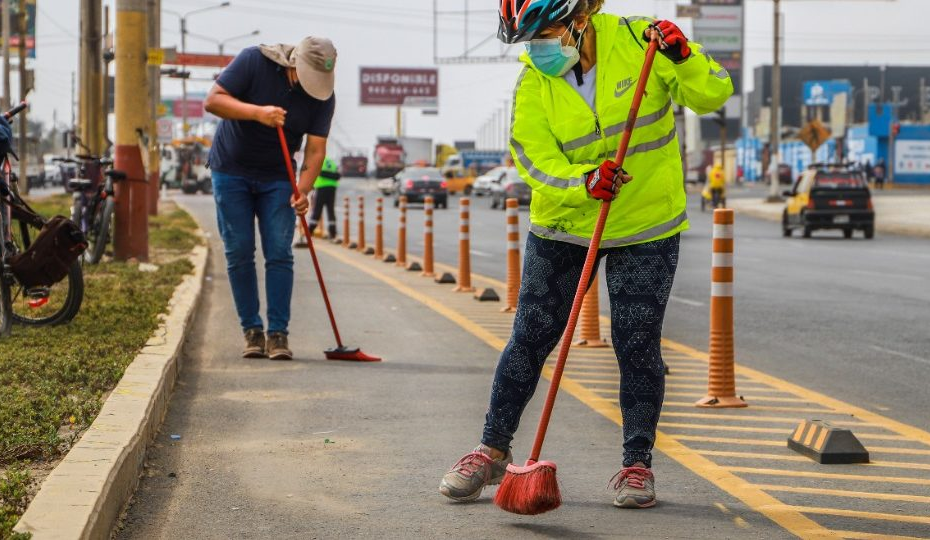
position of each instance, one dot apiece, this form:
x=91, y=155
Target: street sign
x=30, y=28
x=415, y=87
x=161, y=110
x=165, y=128
x=156, y=57
x=839, y=110
x=814, y=134
x=196, y=59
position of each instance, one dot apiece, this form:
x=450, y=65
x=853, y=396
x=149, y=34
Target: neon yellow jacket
x=556, y=139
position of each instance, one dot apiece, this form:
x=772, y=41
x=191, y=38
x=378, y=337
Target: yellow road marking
x=910, y=432
x=831, y=476
x=790, y=518
x=740, y=522
x=848, y=494
x=761, y=408
x=858, y=535
x=750, y=418
x=904, y=518
x=793, y=457
x=744, y=390
x=768, y=442
x=714, y=427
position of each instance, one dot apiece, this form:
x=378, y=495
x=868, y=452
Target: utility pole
x=91, y=113
x=775, y=127
x=132, y=118
x=924, y=98
x=24, y=87
x=7, y=32
x=154, y=161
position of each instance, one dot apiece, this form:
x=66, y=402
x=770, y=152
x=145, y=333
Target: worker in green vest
x=324, y=198
x=570, y=107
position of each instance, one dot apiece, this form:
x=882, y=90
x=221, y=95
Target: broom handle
x=590, y=258
x=306, y=229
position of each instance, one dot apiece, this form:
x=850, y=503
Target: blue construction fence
x=911, y=155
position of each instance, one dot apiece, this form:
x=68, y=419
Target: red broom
x=340, y=352
x=534, y=488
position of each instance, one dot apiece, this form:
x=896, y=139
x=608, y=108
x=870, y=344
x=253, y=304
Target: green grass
x=53, y=380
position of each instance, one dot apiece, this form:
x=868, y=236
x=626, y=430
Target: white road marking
x=685, y=301
x=477, y=253
x=887, y=275
x=901, y=354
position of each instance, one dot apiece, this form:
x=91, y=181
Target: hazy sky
x=399, y=33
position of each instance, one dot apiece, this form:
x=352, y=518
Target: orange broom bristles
x=529, y=490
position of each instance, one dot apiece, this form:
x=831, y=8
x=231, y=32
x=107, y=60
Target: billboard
x=817, y=93
x=912, y=157
x=411, y=87
x=30, y=28
x=718, y=27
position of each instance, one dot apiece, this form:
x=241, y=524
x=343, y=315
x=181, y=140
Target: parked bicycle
x=21, y=301
x=93, y=201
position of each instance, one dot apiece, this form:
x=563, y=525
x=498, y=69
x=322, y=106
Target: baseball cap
x=315, y=60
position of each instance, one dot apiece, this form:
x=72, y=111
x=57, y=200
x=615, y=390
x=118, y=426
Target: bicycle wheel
x=99, y=233
x=43, y=306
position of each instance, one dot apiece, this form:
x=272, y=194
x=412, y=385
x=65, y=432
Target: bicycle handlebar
x=16, y=110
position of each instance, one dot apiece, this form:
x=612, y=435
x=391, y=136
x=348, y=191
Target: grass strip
x=53, y=380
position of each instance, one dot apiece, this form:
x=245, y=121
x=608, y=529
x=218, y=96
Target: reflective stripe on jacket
x=556, y=139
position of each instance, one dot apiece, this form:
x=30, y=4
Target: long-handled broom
x=341, y=352
x=534, y=488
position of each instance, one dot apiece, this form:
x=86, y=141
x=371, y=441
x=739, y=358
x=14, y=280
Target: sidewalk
x=895, y=212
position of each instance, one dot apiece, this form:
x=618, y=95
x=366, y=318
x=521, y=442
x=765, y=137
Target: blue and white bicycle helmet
x=523, y=20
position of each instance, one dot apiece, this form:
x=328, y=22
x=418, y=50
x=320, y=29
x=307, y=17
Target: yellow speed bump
x=827, y=444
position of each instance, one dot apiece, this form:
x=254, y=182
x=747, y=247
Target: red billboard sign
x=194, y=108
x=416, y=87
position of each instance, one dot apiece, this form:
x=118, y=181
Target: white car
x=484, y=184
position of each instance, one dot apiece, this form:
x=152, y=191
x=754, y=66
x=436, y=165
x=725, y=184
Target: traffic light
x=720, y=117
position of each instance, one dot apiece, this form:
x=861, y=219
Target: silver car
x=484, y=184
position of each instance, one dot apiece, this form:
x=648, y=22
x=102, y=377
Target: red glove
x=602, y=181
x=674, y=43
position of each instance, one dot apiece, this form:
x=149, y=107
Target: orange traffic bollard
x=361, y=223
x=379, y=228
x=721, y=384
x=513, y=255
x=591, y=319
x=346, y=208
x=428, y=237
x=464, y=246
x=402, y=232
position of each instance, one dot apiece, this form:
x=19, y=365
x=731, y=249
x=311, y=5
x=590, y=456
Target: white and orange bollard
x=346, y=208
x=428, y=237
x=513, y=255
x=402, y=232
x=464, y=280
x=590, y=330
x=379, y=228
x=361, y=223
x=721, y=384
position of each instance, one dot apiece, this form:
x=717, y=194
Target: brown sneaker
x=254, y=344
x=277, y=347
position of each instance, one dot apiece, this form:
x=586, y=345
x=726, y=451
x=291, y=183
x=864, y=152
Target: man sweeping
x=263, y=88
x=571, y=104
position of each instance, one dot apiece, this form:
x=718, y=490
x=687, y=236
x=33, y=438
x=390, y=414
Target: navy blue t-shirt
x=251, y=149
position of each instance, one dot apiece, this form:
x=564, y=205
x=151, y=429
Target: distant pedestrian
x=570, y=105
x=879, y=173
x=869, y=171
x=263, y=88
x=324, y=198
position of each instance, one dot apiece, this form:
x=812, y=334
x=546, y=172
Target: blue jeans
x=239, y=201
x=639, y=281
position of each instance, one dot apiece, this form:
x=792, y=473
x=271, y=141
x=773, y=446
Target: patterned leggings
x=639, y=280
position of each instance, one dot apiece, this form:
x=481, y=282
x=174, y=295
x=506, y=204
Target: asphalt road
x=846, y=318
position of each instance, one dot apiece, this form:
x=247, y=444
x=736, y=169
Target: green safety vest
x=556, y=139
x=329, y=175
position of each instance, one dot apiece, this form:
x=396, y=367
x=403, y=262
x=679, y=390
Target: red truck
x=389, y=157
x=354, y=165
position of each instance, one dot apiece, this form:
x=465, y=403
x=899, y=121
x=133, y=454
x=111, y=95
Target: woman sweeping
x=570, y=106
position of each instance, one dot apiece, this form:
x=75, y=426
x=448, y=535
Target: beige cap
x=315, y=60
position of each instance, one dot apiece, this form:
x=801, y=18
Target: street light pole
x=221, y=43
x=775, y=125
x=183, y=21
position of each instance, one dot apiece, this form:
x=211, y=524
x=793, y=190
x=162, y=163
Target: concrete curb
x=772, y=212
x=84, y=495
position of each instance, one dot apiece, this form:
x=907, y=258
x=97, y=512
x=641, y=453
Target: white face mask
x=551, y=57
